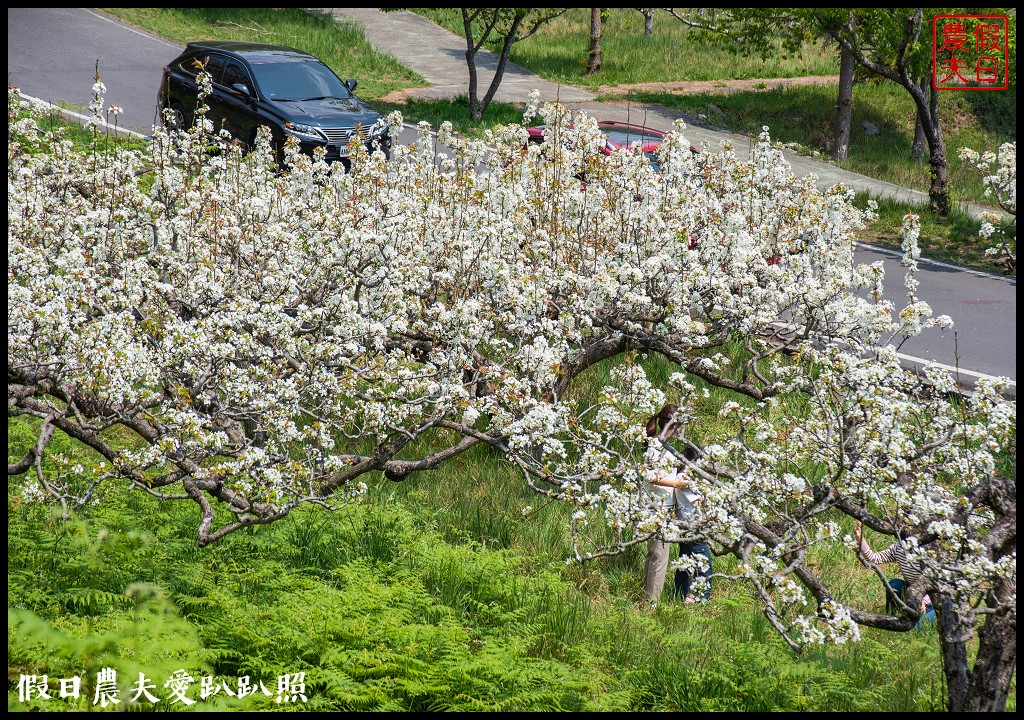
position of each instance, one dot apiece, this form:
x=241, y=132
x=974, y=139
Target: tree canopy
x=249, y=338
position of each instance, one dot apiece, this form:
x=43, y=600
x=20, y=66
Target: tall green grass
x=433, y=594
x=382, y=613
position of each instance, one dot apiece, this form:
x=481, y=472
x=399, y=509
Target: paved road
x=52, y=55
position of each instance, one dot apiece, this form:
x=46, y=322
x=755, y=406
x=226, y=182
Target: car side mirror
x=351, y=85
x=243, y=90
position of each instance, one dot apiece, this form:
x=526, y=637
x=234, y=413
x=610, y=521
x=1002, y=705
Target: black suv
x=290, y=91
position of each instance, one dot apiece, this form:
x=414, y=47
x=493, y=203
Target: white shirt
x=664, y=466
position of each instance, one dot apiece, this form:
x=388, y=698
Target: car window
x=214, y=65
x=187, y=67
x=236, y=73
x=298, y=81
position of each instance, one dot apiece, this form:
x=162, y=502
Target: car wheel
x=174, y=116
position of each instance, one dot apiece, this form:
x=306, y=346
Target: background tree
x=897, y=45
x=894, y=44
x=768, y=31
x=648, y=14
x=594, y=51
x=889, y=43
x=247, y=339
x=917, y=147
x=502, y=27
x=844, y=104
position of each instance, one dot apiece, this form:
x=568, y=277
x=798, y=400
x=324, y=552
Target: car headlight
x=305, y=131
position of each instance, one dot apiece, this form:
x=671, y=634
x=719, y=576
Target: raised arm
x=886, y=556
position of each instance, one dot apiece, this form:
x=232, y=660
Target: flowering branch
x=265, y=337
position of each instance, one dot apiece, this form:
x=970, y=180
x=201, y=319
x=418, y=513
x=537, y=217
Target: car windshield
x=290, y=81
x=627, y=137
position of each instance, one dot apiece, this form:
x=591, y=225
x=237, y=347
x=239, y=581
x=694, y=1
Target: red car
x=619, y=135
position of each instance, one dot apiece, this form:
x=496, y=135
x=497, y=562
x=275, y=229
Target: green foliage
x=410, y=602
x=136, y=631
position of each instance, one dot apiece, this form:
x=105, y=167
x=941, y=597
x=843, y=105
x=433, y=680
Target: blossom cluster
x=270, y=335
x=1001, y=186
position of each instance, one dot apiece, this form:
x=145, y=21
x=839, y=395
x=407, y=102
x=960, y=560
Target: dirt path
x=400, y=96
x=684, y=87
x=692, y=87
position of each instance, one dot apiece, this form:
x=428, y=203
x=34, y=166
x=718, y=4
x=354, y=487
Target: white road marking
x=939, y=263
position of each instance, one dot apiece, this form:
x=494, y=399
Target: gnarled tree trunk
x=594, y=52
x=928, y=113
x=917, y=147
x=994, y=666
x=648, y=14
x=844, y=107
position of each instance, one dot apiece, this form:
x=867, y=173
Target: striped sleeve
x=894, y=553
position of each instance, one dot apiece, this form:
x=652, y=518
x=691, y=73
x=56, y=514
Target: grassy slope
x=558, y=52
x=436, y=593
x=402, y=604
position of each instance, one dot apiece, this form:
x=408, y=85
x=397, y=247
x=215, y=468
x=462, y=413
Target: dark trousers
x=899, y=586
x=684, y=579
